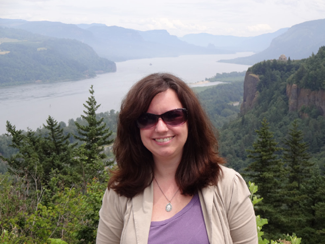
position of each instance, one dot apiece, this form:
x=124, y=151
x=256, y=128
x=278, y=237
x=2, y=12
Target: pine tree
x=314, y=229
x=266, y=169
x=267, y=172
x=299, y=173
x=95, y=136
x=39, y=156
x=296, y=158
x=27, y=162
x=58, y=151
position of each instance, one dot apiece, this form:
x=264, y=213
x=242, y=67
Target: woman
x=169, y=186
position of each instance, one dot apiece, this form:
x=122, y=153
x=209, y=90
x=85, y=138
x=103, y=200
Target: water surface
x=28, y=106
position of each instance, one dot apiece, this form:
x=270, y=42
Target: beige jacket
x=228, y=214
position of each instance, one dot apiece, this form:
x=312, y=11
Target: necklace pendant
x=168, y=207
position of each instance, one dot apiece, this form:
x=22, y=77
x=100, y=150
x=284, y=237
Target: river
x=28, y=106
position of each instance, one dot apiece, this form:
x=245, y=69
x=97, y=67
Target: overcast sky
x=178, y=17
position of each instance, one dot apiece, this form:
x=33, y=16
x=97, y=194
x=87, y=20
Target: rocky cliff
x=250, y=92
x=304, y=97
x=298, y=97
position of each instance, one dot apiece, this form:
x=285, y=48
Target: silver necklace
x=169, y=206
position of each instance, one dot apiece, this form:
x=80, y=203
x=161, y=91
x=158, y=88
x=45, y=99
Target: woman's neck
x=166, y=169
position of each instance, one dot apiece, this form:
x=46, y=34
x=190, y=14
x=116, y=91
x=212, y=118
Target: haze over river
x=28, y=106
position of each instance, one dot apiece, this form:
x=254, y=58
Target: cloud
x=318, y=4
x=178, y=17
x=259, y=28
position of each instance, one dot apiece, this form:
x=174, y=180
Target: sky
x=178, y=17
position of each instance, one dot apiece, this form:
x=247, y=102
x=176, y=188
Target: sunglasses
x=173, y=117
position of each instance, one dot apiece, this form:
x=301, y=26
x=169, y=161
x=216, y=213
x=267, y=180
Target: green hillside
x=272, y=104
x=28, y=58
x=283, y=150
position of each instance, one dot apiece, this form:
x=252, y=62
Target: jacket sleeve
x=241, y=215
x=111, y=218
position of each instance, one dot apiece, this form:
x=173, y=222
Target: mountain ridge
x=297, y=42
x=234, y=43
x=114, y=43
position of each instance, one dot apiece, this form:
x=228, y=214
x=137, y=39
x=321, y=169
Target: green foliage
x=272, y=104
x=294, y=202
x=38, y=156
x=296, y=158
x=267, y=171
x=260, y=222
x=94, y=134
x=71, y=217
x=54, y=190
x=299, y=173
x=27, y=162
x=311, y=74
x=5, y=149
x=56, y=241
x=218, y=102
x=92, y=202
x=232, y=76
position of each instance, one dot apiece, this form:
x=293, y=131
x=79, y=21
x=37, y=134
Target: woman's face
x=164, y=141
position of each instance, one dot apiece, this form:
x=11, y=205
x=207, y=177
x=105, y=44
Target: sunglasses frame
x=156, y=116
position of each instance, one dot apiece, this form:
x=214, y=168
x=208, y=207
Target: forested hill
x=28, y=58
x=280, y=92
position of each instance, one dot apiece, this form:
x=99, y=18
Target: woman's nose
x=161, y=126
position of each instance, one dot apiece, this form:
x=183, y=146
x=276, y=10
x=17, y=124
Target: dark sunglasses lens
x=174, y=117
x=147, y=120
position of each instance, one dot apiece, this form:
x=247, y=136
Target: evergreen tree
x=314, y=209
x=57, y=150
x=27, y=162
x=39, y=156
x=95, y=136
x=296, y=195
x=296, y=158
x=267, y=172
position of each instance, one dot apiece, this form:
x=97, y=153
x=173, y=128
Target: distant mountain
x=113, y=42
x=52, y=29
x=204, y=40
x=26, y=58
x=119, y=43
x=86, y=26
x=233, y=43
x=298, y=42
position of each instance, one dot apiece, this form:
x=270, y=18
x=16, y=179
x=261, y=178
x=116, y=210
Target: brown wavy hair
x=200, y=161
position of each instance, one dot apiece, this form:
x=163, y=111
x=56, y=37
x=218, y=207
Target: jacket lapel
x=206, y=200
x=142, y=211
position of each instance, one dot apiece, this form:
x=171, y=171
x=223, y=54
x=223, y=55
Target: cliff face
x=297, y=97
x=250, y=92
x=305, y=97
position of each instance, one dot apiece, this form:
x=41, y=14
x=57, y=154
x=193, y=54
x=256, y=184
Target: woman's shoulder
x=112, y=199
x=230, y=181
x=227, y=175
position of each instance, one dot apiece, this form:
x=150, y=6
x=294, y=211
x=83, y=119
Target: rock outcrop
x=250, y=92
x=304, y=97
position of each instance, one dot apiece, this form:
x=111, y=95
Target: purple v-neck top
x=187, y=226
